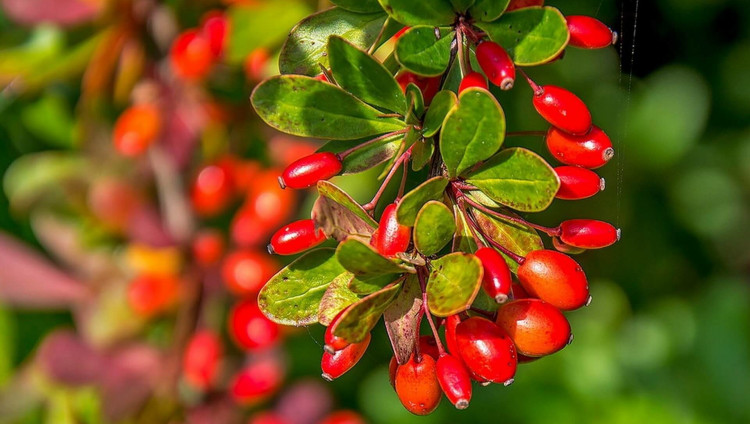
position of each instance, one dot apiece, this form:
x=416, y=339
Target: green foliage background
x=667, y=337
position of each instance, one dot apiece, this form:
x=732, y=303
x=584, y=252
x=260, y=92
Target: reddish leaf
x=69, y=360
x=61, y=12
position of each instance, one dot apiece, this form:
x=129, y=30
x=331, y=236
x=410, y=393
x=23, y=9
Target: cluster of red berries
x=195, y=50
x=483, y=346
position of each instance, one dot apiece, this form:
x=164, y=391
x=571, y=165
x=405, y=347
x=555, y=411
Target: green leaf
x=339, y=216
x=369, y=285
x=412, y=202
x=410, y=12
x=401, y=319
x=488, y=10
x=473, y=131
x=520, y=239
x=305, y=49
x=50, y=119
x=364, y=262
x=362, y=75
x=463, y=240
x=45, y=176
x=461, y=6
x=421, y=52
x=359, y=6
x=366, y=157
x=264, y=25
x=433, y=228
x=441, y=104
x=336, y=297
x=360, y=318
x=422, y=153
x=416, y=103
x=532, y=35
x=454, y=282
x=308, y=107
x=293, y=295
x=517, y=178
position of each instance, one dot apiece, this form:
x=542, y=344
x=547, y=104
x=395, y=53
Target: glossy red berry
x=496, y=64
x=451, y=322
x=343, y=417
x=417, y=386
x=455, y=380
x=591, y=150
x=244, y=272
x=428, y=346
x=391, y=237
x=555, y=278
x=497, y=279
x=308, y=170
x=562, y=109
x=333, y=343
x=257, y=381
x=577, y=183
x=136, y=129
x=588, y=233
x=472, y=79
x=215, y=29
x=486, y=350
x=203, y=354
x=589, y=33
x=208, y=247
x=213, y=189
x=392, y=368
x=428, y=85
x=191, y=56
x=536, y=327
x=520, y=4
x=518, y=292
x=337, y=364
x=296, y=237
x=268, y=202
x=151, y=294
x=249, y=328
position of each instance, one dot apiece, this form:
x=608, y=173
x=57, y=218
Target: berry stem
x=472, y=222
x=426, y=309
x=374, y=202
x=347, y=152
x=538, y=90
x=402, y=187
x=375, y=43
x=462, y=62
x=552, y=232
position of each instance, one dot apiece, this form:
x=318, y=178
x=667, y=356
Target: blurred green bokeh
x=667, y=337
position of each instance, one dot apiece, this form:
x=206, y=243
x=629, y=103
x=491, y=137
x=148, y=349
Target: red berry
x=562, y=109
x=191, y=55
x=577, y=183
x=257, y=381
x=486, y=350
x=589, y=33
x=555, y=278
x=451, y=322
x=136, y=129
x=245, y=271
x=246, y=229
x=249, y=328
x=268, y=202
x=497, y=279
x=337, y=364
x=566, y=248
x=520, y=4
x=307, y=171
x=208, y=247
x=202, y=357
x=343, y=417
x=296, y=237
x=215, y=29
x=255, y=63
x=455, y=380
x=392, y=368
x=472, y=79
x=496, y=64
x=391, y=237
x=321, y=77
x=518, y=292
x=536, y=327
x=213, y=189
x=588, y=233
x=417, y=386
x=428, y=346
x=150, y=295
x=591, y=150
x=332, y=342
x=267, y=417
x=428, y=85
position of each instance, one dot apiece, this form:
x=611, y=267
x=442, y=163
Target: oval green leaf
x=410, y=12
x=422, y=153
x=488, y=10
x=463, y=240
x=292, y=296
x=473, y=131
x=421, y=52
x=416, y=103
x=308, y=107
x=364, y=262
x=441, y=104
x=365, y=286
x=366, y=157
x=519, y=239
x=433, y=228
x=305, y=48
x=360, y=318
x=517, y=178
x=412, y=202
x=532, y=35
x=362, y=75
x=462, y=6
x=336, y=297
x=454, y=282
x=44, y=176
x=359, y=6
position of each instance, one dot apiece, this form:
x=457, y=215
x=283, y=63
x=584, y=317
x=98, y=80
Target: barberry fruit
x=249, y=328
x=472, y=79
x=202, y=358
x=486, y=350
x=555, y=278
x=577, y=183
x=591, y=150
x=589, y=33
x=191, y=55
x=296, y=237
x=391, y=237
x=208, y=247
x=136, y=129
x=151, y=294
x=417, y=385
x=455, y=380
x=520, y=4
x=257, y=381
x=588, y=233
x=497, y=279
x=536, y=327
x=245, y=271
x=337, y=364
x=215, y=29
x=333, y=343
x=213, y=189
x=562, y=109
x=308, y=170
x=496, y=64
